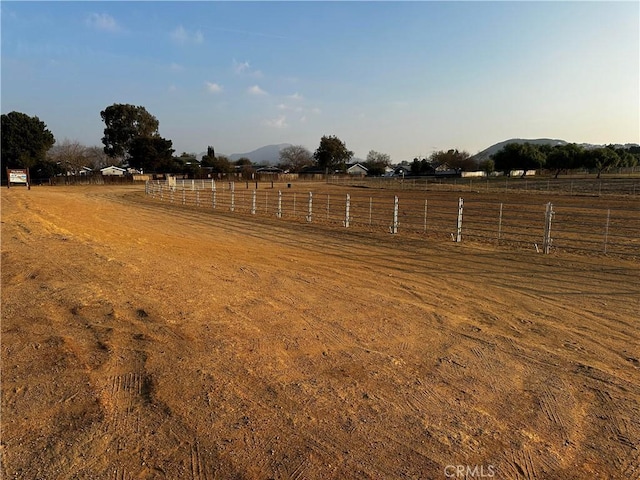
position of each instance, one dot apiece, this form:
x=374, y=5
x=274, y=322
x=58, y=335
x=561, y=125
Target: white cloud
x=296, y=96
x=102, y=21
x=182, y=36
x=244, y=68
x=213, y=87
x=283, y=106
x=240, y=68
x=172, y=88
x=256, y=90
x=174, y=67
x=280, y=122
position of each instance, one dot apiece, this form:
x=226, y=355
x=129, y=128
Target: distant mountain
x=493, y=149
x=267, y=155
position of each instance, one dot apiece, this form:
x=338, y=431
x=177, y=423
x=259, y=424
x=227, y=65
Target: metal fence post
x=606, y=230
x=394, y=225
x=328, y=201
x=232, y=187
x=370, y=209
x=253, y=203
x=279, y=212
x=500, y=224
x=346, y=215
x=213, y=194
x=309, y=215
x=459, y=223
x=546, y=244
x=425, y=216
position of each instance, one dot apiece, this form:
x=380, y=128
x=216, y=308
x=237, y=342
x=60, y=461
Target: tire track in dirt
x=622, y=427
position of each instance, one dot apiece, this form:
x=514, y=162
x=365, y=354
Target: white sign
x=18, y=176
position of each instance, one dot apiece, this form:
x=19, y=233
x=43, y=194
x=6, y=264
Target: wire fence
x=573, y=185
x=546, y=227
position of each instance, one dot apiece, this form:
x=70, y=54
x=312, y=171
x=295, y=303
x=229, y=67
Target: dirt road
x=144, y=340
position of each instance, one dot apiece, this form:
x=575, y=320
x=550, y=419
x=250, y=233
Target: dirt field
x=145, y=340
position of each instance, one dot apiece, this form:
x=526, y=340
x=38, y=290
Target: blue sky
x=403, y=78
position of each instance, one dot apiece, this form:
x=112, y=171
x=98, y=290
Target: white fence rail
x=546, y=227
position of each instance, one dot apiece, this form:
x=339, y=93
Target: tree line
x=131, y=139
x=526, y=156
x=564, y=158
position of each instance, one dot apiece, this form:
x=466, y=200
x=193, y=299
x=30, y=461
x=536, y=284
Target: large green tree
x=332, y=154
x=219, y=164
x=564, y=157
x=25, y=140
x=208, y=160
x=152, y=153
x=123, y=124
x=601, y=159
x=377, y=162
x=421, y=167
x=518, y=156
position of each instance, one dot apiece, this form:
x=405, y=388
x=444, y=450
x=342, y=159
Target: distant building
x=113, y=171
x=402, y=170
x=445, y=170
x=357, y=169
x=269, y=170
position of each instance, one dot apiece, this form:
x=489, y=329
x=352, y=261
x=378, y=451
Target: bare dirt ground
x=145, y=340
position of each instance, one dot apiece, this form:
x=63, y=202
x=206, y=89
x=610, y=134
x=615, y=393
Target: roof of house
x=357, y=164
x=112, y=167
